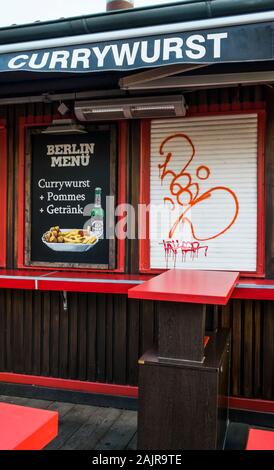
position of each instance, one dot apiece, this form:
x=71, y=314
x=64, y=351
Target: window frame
x=32, y=122
x=144, y=244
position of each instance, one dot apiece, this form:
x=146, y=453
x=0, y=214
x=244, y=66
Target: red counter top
x=35, y=279
x=186, y=285
x=20, y=279
x=70, y=281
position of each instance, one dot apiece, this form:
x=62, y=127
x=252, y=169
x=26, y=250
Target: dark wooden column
x=183, y=384
x=181, y=331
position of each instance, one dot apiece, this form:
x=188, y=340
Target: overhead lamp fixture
x=64, y=126
x=131, y=108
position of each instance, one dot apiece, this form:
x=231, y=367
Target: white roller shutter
x=219, y=229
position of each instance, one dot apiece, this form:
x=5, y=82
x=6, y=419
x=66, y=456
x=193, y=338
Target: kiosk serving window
x=68, y=180
x=204, y=193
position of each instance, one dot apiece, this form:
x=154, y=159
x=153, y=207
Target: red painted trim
x=67, y=384
x=28, y=284
x=40, y=121
x=252, y=294
x=263, y=406
x=144, y=263
x=144, y=246
x=251, y=404
x=3, y=198
x=261, y=194
x=96, y=287
x=122, y=190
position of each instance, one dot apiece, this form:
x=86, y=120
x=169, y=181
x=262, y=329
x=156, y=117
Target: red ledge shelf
x=246, y=288
x=254, y=289
x=19, y=279
x=186, y=285
x=70, y=282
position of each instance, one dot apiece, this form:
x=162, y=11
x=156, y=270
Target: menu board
x=70, y=176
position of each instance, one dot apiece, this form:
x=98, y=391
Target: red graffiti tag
x=173, y=247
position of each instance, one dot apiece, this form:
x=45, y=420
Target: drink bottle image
x=97, y=215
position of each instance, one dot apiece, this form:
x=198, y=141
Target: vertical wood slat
x=91, y=337
x=8, y=338
x=248, y=346
x=147, y=325
x=101, y=337
x=225, y=100
x=203, y=101
x=257, y=342
x=133, y=335
x=2, y=330
x=18, y=331
x=82, y=336
x=226, y=315
x=192, y=102
x=247, y=98
x=46, y=334
x=37, y=333
x=236, y=375
x=110, y=319
x=54, y=333
x=120, y=338
x=268, y=351
x=258, y=97
x=235, y=99
x=63, y=342
x=213, y=105
x=27, y=320
x=73, y=334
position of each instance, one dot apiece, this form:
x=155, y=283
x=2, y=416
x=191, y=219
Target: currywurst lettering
x=183, y=47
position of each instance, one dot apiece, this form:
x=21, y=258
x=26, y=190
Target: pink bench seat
x=24, y=428
x=259, y=439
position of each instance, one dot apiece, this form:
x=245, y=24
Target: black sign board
x=240, y=43
x=66, y=172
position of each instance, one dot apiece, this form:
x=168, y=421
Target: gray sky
x=28, y=11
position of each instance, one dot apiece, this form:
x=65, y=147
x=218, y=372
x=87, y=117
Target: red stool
x=258, y=439
x=24, y=428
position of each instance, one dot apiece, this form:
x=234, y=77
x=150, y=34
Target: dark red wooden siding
x=100, y=337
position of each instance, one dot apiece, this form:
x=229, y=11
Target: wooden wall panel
x=97, y=338
x=252, y=355
x=100, y=337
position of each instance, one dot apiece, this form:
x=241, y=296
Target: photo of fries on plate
x=69, y=239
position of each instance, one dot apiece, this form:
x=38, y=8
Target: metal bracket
x=65, y=301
